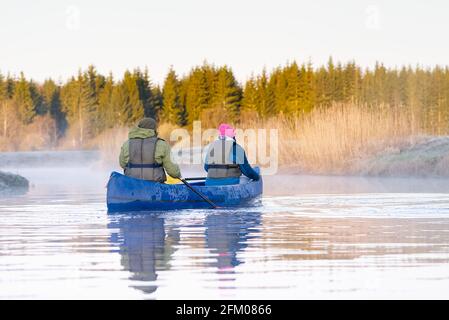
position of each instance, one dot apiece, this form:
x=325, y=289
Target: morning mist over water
x=199, y=150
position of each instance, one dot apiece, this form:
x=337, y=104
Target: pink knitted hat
x=226, y=130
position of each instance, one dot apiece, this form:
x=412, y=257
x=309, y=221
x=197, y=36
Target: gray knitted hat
x=147, y=123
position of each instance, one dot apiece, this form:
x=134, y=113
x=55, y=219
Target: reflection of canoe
x=129, y=194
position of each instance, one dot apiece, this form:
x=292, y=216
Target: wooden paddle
x=202, y=196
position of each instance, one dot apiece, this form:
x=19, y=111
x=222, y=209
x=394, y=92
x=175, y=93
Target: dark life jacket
x=219, y=160
x=141, y=164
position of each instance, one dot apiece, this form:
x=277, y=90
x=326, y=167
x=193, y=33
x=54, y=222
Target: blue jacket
x=244, y=166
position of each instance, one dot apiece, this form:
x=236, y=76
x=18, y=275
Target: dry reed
x=110, y=141
x=332, y=140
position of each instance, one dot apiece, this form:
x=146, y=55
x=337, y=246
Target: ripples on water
x=59, y=242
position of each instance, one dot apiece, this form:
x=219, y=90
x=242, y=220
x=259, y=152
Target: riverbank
x=425, y=157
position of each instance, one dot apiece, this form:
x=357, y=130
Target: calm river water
x=311, y=237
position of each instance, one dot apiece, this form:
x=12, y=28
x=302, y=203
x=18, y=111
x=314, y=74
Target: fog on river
x=310, y=237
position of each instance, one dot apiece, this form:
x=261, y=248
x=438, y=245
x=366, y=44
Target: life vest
x=141, y=164
x=219, y=160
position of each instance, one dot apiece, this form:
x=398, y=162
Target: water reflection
x=227, y=234
x=145, y=247
x=147, y=242
x=365, y=245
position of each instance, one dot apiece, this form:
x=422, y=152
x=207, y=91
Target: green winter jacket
x=162, y=152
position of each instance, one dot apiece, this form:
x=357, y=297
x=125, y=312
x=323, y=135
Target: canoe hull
x=129, y=194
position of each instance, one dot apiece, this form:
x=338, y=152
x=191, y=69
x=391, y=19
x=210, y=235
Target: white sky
x=47, y=38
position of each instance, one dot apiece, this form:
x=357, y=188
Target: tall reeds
x=332, y=140
x=336, y=139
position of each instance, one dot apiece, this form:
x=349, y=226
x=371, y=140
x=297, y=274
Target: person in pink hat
x=226, y=160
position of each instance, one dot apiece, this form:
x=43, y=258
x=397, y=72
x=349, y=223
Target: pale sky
x=46, y=38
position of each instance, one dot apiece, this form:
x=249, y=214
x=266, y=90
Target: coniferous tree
x=38, y=101
x=228, y=94
x=352, y=82
x=264, y=95
x=294, y=90
x=339, y=94
x=23, y=100
x=3, y=88
x=146, y=93
x=93, y=83
x=4, y=107
x=275, y=94
x=197, y=95
x=210, y=74
x=329, y=82
x=80, y=105
x=10, y=86
x=127, y=100
x=249, y=100
x=156, y=102
x=106, y=112
x=320, y=94
x=172, y=107
x=307, y=96
x=51, y=95
x=183, y=116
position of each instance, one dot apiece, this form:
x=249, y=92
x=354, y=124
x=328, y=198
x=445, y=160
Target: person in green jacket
x=145, y=156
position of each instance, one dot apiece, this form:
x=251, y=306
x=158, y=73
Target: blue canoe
x=130, y=194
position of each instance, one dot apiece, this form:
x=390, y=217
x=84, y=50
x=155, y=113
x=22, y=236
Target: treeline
x=43, y=115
